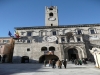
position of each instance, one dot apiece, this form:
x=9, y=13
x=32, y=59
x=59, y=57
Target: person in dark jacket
x=65, y=63
x=53, y=64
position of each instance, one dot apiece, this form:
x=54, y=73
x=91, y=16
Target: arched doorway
x=47, y=58
x=73, y=54
x=4, y=58
x=25, y=59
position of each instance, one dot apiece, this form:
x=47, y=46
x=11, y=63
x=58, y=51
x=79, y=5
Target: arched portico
x=47, y=58
x=24, y=59
x=73, y=51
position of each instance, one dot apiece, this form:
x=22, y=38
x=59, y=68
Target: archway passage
x=72, y=54
x=4, y=58
x=47, y=58
x=25, y=59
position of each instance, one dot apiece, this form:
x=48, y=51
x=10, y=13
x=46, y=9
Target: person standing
x=76, y=61
x=45, y=63
x=79, y=62
x=53, y=63
x=59, y=64
x=50, y=63
x=72, y=60
x=65, y=63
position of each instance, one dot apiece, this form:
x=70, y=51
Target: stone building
x=54, y=41
x=6, y=49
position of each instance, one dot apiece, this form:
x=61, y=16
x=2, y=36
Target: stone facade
x=6, y=49
x=77, y=39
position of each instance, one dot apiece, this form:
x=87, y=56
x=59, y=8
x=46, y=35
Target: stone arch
x=44, y=49
x=51, y=48
x=25, y=59
x=79, y=49
x=47, y=58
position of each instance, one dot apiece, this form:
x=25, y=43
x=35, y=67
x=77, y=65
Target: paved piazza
x=39, y=69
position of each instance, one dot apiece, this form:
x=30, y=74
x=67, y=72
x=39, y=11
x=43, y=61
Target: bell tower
x=51, y=16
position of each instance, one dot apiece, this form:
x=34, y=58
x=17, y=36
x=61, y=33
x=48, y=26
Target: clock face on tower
x=52, y=19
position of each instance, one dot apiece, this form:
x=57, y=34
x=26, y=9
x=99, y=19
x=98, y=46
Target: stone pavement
x=39, y=69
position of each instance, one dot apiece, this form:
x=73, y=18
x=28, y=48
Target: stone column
x=65, y=39
x=75, y=40
x=62, y=52
x=59, y=39
x=81, y=38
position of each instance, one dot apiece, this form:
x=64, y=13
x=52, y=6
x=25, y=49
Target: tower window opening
x=50, y=8
x=51, y=24
x=51, y=14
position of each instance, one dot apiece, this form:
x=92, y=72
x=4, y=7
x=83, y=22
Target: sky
x=27, y=13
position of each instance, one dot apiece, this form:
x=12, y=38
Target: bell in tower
x=51, y=16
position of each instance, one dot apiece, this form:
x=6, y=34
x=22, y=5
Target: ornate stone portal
x=74, y=51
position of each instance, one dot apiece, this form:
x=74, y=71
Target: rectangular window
x=92, y=31
x=41, y=33
x=22, y=33
x=4, y=41
x=28, y=49
x=62, y=39
x=78, y=39
x=54, y=32
x=8, y=41
x=79, y=32
x=56, y=41
x=29, y=33
x=28, y=41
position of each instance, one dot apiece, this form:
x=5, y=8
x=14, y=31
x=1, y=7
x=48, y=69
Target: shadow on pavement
x=15, y=68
